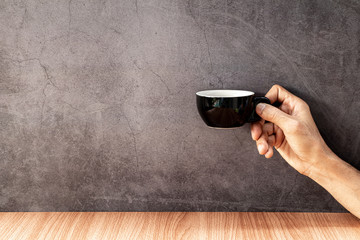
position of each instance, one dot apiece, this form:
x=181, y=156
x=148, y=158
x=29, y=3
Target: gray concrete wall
x=97, y=101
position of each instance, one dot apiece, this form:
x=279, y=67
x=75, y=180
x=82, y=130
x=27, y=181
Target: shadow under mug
x=228, y=108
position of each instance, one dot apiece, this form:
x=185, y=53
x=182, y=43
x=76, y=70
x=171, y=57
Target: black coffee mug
x=228, y=108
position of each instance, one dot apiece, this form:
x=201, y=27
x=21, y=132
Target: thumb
x=272, y=114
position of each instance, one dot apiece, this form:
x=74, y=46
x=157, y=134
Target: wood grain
x=140, y=225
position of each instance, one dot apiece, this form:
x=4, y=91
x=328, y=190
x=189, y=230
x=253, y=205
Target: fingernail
x=260, y=107
x=261, y=148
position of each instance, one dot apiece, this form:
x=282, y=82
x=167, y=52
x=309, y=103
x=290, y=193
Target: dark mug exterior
x=224, y=110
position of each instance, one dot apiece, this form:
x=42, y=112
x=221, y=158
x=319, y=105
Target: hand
x=291, y=130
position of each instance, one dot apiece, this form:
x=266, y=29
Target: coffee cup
x=228, y=108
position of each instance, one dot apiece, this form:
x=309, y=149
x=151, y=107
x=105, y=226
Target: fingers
x=271, y=136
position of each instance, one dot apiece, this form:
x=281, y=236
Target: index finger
x=256, y=129
x=279, y=94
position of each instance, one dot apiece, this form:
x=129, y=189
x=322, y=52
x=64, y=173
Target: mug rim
x=224, y=93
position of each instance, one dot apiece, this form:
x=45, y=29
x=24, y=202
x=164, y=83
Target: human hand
x=290, y=129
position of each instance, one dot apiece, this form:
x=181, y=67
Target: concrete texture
x=97, y=101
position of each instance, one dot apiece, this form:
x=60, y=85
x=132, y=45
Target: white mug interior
x=224, y=93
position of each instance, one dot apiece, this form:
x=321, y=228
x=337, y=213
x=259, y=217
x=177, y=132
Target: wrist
x=324, y=166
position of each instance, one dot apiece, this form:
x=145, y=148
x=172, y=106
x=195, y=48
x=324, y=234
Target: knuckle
x=279, y=87
x=262, y=139
x=305, y=105
x=276, y=86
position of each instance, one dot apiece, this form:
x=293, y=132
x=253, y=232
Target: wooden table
x=139, y=225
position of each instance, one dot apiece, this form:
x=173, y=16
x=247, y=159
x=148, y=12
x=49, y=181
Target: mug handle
x=256, y=100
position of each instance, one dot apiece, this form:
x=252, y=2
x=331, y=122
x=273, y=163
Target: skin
x=291, y=130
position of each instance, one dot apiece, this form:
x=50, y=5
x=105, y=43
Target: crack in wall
x=70, y=17
x=154, y=73
x=204, y=33
x=135, y=144
x=161, y=79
